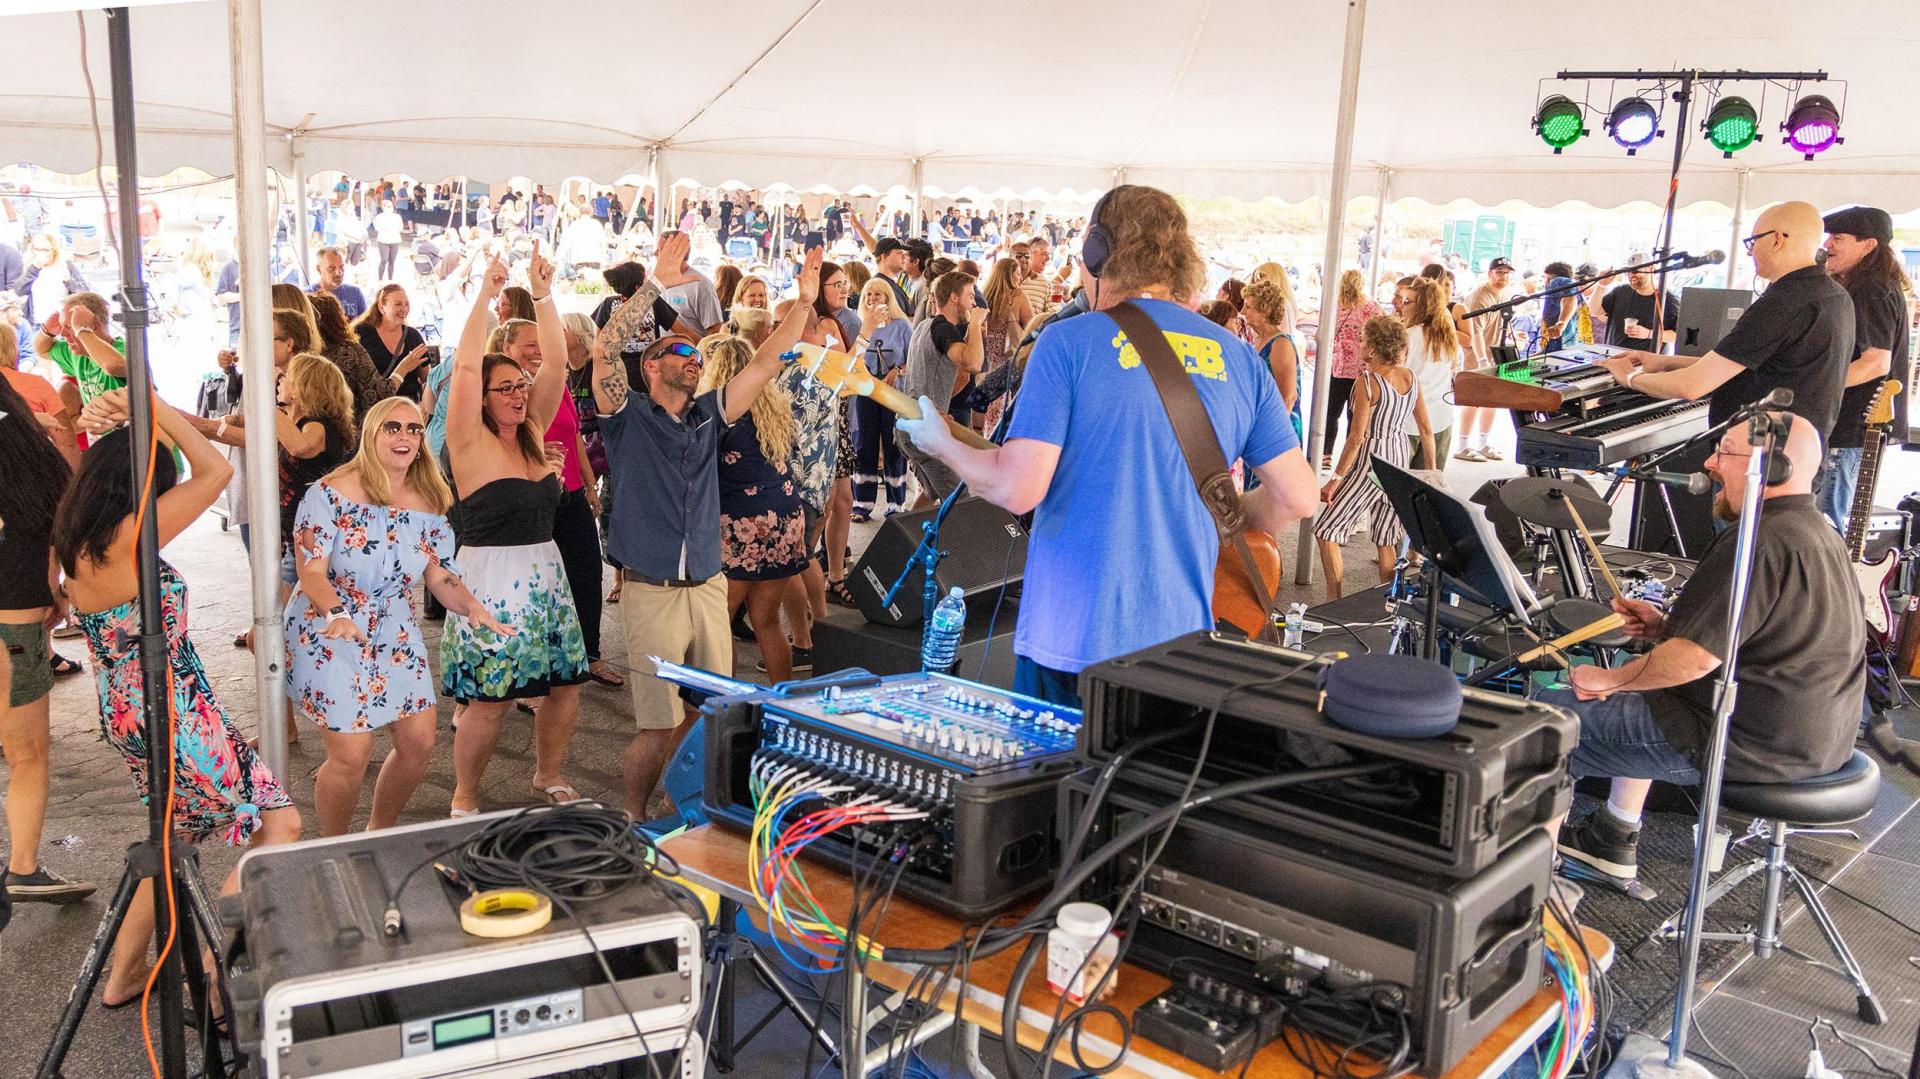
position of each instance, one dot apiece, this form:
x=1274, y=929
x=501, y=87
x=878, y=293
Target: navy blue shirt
x=1558, y=290
x=665, y=472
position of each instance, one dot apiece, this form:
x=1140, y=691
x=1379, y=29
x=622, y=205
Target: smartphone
x=816, y=239
x=433, y=355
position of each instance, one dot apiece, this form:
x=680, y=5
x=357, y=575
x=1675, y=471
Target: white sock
x=1622, y=815
x=1477, y=439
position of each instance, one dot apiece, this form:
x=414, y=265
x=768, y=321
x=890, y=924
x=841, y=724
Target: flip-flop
x=613, y=596
x=552, y=793
x=606, y=678
x=61, y=665
x=455, y=812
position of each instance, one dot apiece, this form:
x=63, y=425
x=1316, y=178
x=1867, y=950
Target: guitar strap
x=1199, y=442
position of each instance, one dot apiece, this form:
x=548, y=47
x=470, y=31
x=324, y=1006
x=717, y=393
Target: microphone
x=1781, y=397
x=1692, y=262
x=1697, y=483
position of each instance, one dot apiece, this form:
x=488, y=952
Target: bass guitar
x=1873, y=576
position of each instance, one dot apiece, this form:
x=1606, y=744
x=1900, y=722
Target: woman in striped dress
x=1387, y=400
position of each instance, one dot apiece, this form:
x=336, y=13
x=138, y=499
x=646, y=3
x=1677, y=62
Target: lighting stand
x=1762, y=433
x=186, y=901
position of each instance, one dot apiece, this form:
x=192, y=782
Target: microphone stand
x=1762, y=432
x=1505, y=308
x=927, y=554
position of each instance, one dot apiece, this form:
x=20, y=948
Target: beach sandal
x=552, y=793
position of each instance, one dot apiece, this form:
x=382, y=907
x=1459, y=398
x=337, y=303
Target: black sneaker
x=802, y=661
x=741, y=630
x=45, y=886
x=1604, y=844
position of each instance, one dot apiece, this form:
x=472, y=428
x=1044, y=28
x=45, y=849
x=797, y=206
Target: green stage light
x=1732, y=125
x=1559, y=122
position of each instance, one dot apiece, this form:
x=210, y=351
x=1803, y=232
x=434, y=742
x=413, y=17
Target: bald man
x=1797, y=335
x=1802, y=669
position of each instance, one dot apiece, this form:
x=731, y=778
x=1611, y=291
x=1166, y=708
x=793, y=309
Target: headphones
x=1097, y=247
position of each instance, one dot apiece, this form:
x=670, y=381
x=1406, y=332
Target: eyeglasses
x=394, y=429
x=840, y=284
x=1758, y=236
x=511, y=389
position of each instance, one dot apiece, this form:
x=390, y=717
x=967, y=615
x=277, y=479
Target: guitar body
x=1873, y=578
x=1234, y=601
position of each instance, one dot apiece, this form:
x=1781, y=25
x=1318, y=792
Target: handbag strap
x=1199, y=442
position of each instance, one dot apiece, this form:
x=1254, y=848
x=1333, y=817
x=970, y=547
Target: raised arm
x=744, y=387
x=860, y=230
x=464, y=391
x=87, y=333
x=208, y=469
x=551, y=383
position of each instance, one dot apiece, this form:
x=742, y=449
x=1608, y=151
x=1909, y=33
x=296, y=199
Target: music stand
x=1458, y=543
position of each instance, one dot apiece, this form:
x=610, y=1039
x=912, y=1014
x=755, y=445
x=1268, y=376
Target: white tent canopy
x=1204, y=97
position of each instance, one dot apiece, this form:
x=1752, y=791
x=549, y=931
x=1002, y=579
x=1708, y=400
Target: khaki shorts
x=26, y=645
x=685, y=625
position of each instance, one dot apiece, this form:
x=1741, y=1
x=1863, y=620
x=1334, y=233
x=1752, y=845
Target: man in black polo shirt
x=1802, y=667
x=1797, y=335
x=1860, y=257
x=664, y=529
x=1629, y=312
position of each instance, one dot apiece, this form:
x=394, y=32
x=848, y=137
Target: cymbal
x=1542, y=500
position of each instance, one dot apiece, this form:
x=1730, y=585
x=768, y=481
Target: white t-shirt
x=386, y=227
x=1436, y=378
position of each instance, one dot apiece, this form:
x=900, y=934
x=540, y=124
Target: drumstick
x=1587, y=632
x=1600, y=560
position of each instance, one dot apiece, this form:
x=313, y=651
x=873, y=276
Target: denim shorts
x=1619, y=738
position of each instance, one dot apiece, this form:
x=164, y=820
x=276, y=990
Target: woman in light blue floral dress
x=356, y=660
x=509, y=495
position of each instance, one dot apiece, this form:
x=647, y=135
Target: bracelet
x=542, y=299
x=1631, y=375
x=220, y=432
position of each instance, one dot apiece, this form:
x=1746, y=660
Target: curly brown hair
x=1150, y=245
x=1386, y=338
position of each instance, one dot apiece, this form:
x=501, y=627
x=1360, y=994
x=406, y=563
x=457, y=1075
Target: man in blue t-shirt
x=1557, y=309
x=1122, y=550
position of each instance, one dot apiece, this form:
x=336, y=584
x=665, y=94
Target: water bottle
x=942, y=638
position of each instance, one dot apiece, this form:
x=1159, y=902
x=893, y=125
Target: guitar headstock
x=1880, y=410
x=841, y=371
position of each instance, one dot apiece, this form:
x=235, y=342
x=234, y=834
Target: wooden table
x=717, y=859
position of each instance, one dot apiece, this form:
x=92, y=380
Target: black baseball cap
x=1500, y=263
x=1866, y=222
x=886, y=245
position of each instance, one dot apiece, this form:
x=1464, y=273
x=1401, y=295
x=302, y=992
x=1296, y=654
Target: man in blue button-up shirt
x=662, y=439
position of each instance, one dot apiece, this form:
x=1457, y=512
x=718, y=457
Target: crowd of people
x=523, y=470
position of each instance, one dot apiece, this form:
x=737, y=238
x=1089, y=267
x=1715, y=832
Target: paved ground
x=93, y=814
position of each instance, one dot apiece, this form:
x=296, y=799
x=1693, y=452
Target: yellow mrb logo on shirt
x=1201, y=355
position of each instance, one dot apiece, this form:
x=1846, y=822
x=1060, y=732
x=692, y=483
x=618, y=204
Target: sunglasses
x=677, y=348
x=394, y=429
x=1758, y=236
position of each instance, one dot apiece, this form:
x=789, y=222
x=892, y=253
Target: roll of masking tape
x=505, y=912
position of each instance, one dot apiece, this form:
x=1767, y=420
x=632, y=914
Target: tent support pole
x=302, y=225
x=1330, y=275
x=254, y=241
x=916, y=178
x=656, y=169
x=1379, y=235
x=1739, y=224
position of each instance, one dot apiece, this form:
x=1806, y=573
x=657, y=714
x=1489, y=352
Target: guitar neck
x=1875, y=442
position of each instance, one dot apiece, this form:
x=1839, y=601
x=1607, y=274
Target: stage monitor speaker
x=1706, y=314
x=985, y=549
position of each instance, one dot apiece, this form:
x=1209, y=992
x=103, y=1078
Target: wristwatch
x=338, y=610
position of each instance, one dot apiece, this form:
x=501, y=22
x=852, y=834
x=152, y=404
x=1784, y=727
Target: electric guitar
x=847, y=374
x=1872, y=576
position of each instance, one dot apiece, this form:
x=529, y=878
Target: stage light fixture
x=1813, y=126
x=1732, y=125
x=1559, y=121
x=1633, y=123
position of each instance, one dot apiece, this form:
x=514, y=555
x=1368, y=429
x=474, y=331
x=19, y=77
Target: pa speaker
x=985, y=549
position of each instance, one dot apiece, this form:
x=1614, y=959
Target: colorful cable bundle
x=1576, y=998
x=774, y=848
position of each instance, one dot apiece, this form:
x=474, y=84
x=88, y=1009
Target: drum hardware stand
x=186, y=902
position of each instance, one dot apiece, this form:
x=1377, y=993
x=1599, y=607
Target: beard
x=1722, y=508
